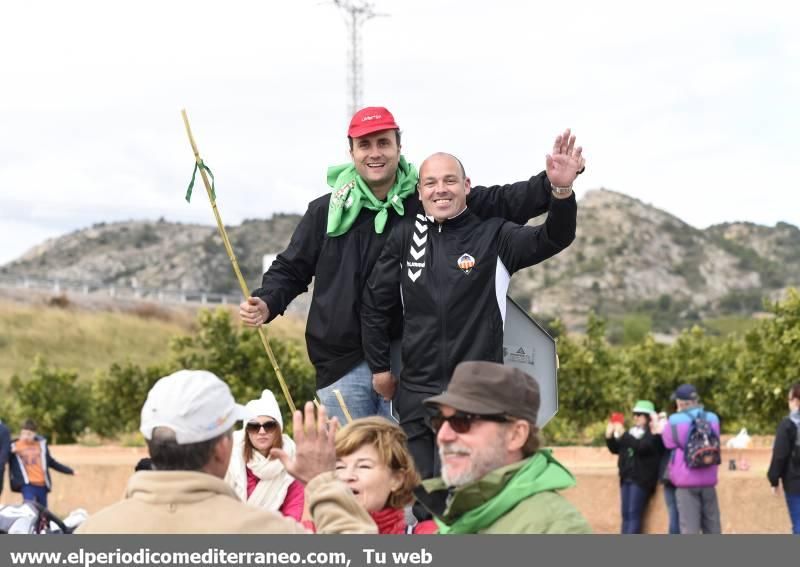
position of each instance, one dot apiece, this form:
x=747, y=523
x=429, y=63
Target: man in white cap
x=187, y=421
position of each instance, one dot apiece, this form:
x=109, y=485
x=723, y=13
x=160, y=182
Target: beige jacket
x=196, y=502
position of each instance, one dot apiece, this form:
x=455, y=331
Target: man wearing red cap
x=338, y=242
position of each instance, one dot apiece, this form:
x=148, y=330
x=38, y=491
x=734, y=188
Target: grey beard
x=483, y=461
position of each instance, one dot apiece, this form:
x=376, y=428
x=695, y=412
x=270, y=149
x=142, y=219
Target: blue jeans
x=359, y=396
x=672, y=509
x=35, y=493
x=793, y=503
x=634, y=502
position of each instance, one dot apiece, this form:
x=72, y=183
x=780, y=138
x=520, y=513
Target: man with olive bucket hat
x=495, y=478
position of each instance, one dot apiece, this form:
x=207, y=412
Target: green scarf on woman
x=351, y=193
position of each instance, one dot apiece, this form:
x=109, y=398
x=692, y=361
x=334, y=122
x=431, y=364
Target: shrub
x=118, y=396
x=238, y=357
x=55, y=399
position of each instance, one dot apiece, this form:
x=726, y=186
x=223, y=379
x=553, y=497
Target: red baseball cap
x=371, y=119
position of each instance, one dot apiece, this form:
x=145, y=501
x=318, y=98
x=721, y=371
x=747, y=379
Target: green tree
x=55, y=399
x=765, y=362
x=237, y=356
x=587, y=386
x=118, y=396
x=643, y=373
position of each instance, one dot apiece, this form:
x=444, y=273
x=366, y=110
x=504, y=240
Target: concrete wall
x=745, y=499
x=746, y=503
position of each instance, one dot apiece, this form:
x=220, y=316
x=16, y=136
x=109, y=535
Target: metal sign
x=528, y=347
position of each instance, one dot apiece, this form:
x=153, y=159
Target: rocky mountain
x=628, y=257
x=157, y=255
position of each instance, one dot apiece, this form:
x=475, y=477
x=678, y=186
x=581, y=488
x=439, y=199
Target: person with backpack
x=785, y=464
x=693, y=433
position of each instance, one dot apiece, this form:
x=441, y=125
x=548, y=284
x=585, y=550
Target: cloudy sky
x=689, y=106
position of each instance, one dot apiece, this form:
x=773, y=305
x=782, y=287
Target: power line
x=356, y=13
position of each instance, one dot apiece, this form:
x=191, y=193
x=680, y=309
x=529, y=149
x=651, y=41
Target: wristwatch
x=562, y=191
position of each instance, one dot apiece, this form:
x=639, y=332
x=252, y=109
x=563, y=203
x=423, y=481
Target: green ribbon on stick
x=203, y=166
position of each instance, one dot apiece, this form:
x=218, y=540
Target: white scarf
x=636, y=432
x=270, y=492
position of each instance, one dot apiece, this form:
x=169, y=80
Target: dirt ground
x=746, y=503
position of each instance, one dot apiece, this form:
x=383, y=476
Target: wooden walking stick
x=339, y=397
x=229, y=249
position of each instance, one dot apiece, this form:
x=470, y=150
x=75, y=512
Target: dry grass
x=75, y=339
x=152, y=311
x=90, y=337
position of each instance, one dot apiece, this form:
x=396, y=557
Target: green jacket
x=520, y=498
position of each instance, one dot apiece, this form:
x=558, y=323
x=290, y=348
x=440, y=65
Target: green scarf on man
x=478, y=505
x=351, y=193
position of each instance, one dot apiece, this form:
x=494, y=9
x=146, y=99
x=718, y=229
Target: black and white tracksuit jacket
x=340, y=266
x=451, y=279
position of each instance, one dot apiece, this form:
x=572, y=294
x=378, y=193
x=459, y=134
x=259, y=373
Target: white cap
x=266, y=405
x=195, y=404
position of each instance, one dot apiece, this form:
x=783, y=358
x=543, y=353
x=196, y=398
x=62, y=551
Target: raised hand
x=565, y=162
x=314, y=439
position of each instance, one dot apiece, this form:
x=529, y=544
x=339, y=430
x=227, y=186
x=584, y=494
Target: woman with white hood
x=258, y=479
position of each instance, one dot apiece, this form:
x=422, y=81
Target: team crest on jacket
x=466, y=263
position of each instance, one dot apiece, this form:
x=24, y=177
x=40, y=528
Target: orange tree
x=237, y=356
x=55, y=399
x=764, y=363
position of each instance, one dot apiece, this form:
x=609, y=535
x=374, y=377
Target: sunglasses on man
x=461, y=422
x=255, y=427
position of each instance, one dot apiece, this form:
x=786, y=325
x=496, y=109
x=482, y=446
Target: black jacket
x=451, y=279
x=781, y=467
x=5, y=451
x=17, y=475
x=341, y=265
x=639, y=459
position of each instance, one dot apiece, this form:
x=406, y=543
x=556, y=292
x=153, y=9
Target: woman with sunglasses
x=258, y=479
x=372, y=458
x=639, y=451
